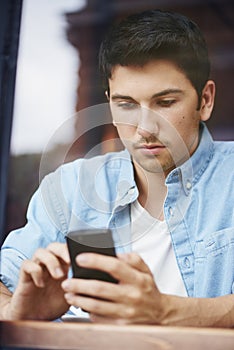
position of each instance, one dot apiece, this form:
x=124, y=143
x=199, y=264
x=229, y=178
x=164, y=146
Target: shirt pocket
x=214, y=264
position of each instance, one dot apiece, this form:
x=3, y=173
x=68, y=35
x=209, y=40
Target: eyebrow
x=158, y=94
x=120, y=97
x=167, y=92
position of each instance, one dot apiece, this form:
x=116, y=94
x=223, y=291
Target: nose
x=148, y=123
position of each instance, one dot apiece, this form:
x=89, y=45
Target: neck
x=152, y=191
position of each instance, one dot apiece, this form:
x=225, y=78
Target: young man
x=168, y=197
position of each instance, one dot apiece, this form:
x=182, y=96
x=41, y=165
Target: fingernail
x=82, y=258
x=68, y=296
x=65, y=285
x=59, y=272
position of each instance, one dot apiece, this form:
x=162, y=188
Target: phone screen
x=96, y=241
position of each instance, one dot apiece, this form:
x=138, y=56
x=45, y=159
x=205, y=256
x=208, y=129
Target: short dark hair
x=156, y=34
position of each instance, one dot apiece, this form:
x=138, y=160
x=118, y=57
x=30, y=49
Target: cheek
x=187, y=123
x=187, y=126
x=125, y=132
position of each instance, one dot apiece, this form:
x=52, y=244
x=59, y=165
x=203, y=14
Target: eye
x=166, y=103
x=126, y=105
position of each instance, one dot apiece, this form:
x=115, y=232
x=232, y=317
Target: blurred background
x=57, y=75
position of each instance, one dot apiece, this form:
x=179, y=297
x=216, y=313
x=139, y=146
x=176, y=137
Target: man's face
x=154, y=108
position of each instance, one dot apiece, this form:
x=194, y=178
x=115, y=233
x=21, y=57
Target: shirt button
x=187, y=262
x=188, y=185
x=131, y=191
x=171, y=211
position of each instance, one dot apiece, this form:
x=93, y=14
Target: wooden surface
x=87, y=336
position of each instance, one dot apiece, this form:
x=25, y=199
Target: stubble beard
x=155, y=163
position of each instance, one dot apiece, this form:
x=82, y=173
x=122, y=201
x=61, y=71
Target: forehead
x=156, y=74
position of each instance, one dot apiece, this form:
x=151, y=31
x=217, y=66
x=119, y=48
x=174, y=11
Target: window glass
x=45, y=96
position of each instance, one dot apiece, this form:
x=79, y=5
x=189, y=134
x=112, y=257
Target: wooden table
x=87, y=336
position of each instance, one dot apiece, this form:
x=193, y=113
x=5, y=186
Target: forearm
x=4, y=302
x=199, y=312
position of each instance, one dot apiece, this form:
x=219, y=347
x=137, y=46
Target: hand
x=135, y=299
x=39, y=294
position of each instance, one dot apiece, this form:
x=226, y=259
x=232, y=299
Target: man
x=167, y=197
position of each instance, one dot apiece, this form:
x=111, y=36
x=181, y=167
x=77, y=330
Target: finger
x=51, y=262
x=60, y=250
x=93, y=288
x=117, y=268
x=100, y=307
x=123, y=294
x=31, y=271
x=135, y=261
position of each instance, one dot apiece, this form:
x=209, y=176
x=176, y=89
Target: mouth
x=151, y=149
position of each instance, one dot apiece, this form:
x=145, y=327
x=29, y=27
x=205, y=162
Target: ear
x=107, y=95
x=207, y=100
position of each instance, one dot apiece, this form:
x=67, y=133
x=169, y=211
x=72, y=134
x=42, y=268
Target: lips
x=151, y=149
x=151, y=146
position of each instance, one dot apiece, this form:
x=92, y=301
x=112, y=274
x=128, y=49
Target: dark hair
x=156, y=34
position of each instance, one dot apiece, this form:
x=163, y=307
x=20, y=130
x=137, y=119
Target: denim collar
x=188, y=173
x=195, y=166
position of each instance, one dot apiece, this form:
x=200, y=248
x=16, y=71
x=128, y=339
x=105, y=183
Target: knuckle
x=37, y=256
x=135, y=295
x=114, y=268
x=146, y=282
x=56, y=248
x=30, y=266
x=38, y=252
x=25, y=266
x=149, y=282
x=136, y=259
x=129, y=312
x=24, y=263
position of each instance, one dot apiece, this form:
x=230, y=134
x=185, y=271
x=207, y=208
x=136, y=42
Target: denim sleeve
x=46, y=223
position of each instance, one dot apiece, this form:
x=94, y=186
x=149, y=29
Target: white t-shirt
x=152, y=241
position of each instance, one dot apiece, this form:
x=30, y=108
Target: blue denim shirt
x=97, y=193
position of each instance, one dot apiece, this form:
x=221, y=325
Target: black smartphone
x=95, y=241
